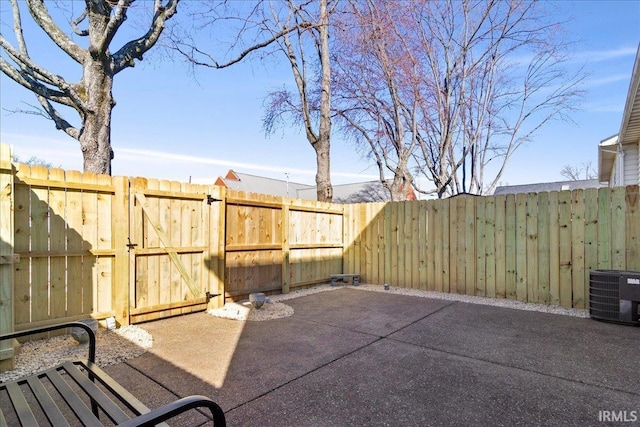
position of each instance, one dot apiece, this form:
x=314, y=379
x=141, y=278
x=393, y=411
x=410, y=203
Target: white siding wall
x=631, y=165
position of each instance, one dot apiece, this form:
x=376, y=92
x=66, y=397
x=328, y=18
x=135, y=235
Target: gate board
x=173, y=242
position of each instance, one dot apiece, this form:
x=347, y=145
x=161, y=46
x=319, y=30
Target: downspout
x=620, y=163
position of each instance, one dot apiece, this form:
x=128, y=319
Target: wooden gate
x=176, y=258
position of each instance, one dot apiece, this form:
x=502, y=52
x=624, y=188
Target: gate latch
x=209, y=295
x=131, y=245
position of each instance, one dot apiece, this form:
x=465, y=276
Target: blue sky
x=169, y=124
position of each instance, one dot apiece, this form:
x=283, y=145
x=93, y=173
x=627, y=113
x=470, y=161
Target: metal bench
x=79, y=393
x=345, y=278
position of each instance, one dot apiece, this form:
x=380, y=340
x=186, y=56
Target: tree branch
x=41, y=15
x=135, y=49
x=30, y=83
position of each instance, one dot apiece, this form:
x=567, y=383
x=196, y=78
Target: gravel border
x=112, y=347
x=274, y=309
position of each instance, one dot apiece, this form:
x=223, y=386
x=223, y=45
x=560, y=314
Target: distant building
x=542, y=187
x=371, y=191
x=262, y=185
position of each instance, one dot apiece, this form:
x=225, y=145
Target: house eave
x=607, y=152
x=630, y=126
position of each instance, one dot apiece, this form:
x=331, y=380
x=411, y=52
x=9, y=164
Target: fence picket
x=533, y=210
x=543, y=250
x=481, y=249
x=58, y=245
x=423, y=243
x=618, y=228
x=554, y=248
x=39, y=230
x=604, y=228
x=577, y=250
x=564, y=221
x=510, y=247
x=522, y=281
x=471, y=282
x=499, y=206
x=632, y=244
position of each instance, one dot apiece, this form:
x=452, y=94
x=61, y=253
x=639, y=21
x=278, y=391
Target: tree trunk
x=323, y=178
x=95, y=137
x=322, y=143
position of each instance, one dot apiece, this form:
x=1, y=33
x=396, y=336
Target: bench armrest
x=87, y=328
x=173, y=409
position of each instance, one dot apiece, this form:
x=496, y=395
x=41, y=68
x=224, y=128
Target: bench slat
x=114, y=412
x=20, y=405
x=3, y=420
x=73, y=400
x=51, y=410
x=128, y=399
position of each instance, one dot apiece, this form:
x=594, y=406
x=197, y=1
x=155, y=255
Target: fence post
x=217, y=253
x=6, y=256
x=286, y=255
x=120, y=227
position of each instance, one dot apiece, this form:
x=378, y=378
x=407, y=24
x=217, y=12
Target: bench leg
x=334, y=281
x=356, y=280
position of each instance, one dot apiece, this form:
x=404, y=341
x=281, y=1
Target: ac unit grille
x=604, y=295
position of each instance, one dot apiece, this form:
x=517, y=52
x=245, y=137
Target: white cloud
x=606, y=55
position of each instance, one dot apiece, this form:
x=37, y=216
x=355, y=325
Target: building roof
x=629, y=128
x=260, y=184
x=370, y=191
x=542, y=187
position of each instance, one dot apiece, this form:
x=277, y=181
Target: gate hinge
x=211, y=199
x=209, y=295
x=131, y=245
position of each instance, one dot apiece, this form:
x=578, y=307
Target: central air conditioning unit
x=614, y=296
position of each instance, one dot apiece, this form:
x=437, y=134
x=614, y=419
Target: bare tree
x=472, y=81
x=91, y=97
x=308, y=84
x=374, y=97
x=298, y=30
x=582, y=171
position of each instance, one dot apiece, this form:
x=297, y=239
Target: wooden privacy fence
x=537, y=248
x=74, y=245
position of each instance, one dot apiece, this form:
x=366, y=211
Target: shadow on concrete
x=351, y=357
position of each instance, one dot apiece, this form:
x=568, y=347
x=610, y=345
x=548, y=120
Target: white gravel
x=244, y=311
x=276, y=309
x=131, y=341
x=111, y=347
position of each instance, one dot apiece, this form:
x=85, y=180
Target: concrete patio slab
x=352, y=357
x=577, y=349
